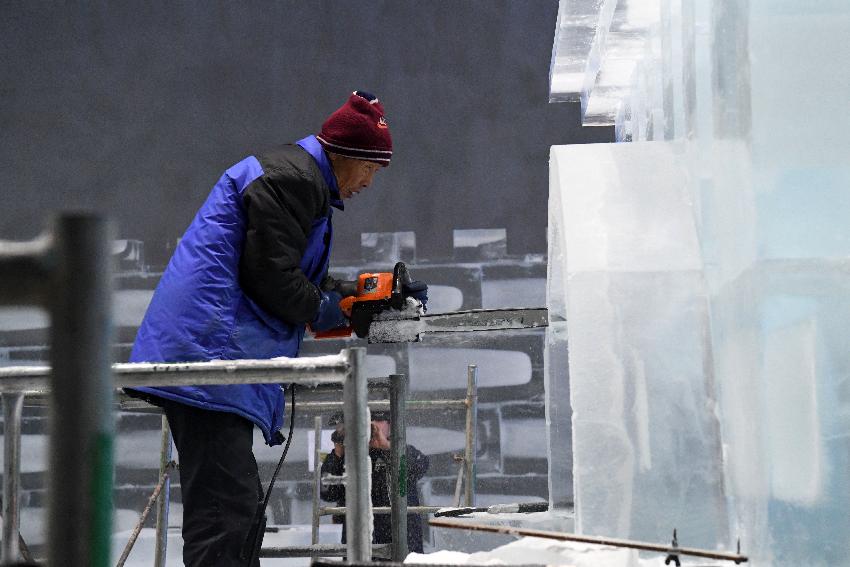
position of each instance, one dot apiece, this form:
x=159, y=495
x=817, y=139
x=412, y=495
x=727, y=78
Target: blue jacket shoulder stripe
x=244, y=172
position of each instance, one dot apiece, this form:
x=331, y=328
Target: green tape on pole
x=101, y=501
x=402, y=476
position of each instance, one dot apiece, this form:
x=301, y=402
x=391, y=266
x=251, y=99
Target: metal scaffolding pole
x=24, y=272
x=357, y=432
x=317, y=476
x=303, y=371
x=70, y=273
x=81, y=420
x=471, y=424
x=398, y=467
x=384, y=405
x=398, y=405
x=13, y=405
x=164, y=496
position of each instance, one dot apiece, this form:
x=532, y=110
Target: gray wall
x=136, y=110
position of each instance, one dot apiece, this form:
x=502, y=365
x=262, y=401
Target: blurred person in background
x=379, y=454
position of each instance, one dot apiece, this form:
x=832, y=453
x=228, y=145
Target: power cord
x=251, y=547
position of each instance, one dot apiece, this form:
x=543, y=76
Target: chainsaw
x=382, y=311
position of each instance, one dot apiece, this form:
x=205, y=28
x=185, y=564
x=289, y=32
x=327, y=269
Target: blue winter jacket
x=244, y=279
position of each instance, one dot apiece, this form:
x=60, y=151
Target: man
x=244, y=281
x=379, y=454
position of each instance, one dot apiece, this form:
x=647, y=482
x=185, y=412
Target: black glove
x=417, y=290
x=343, y=287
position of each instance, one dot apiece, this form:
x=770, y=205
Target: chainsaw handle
x=401, y=277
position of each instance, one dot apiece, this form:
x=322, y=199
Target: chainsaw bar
x=402, y=327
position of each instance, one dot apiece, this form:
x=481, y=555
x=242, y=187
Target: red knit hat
x=358, y=130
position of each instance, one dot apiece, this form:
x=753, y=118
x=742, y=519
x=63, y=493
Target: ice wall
x=745, y=104
x=637, y=322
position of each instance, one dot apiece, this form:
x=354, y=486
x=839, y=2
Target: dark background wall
x=136, y=110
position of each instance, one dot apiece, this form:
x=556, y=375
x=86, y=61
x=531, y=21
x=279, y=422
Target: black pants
x=219, y=482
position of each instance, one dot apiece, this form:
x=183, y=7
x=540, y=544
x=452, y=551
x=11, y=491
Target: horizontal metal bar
x=306, y=371
x=614, y=542
x=123, y=402
x=25, y=269
x=384, y=405
x=317, y=550
x=128, y=403
x=340, y=510
x=373, y=384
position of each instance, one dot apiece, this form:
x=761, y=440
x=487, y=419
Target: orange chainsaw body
x=377, y=287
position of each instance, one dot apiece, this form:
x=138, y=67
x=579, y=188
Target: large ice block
x=750, y=98
x=646, y=441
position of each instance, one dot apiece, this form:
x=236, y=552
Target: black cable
x=251, y=547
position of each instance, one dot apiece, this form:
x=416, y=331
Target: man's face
x=353, y=175
x=384, y=427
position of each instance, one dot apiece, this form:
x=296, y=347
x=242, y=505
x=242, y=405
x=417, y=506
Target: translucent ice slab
x=753, y=95
x=598, y=46
x=646, y=443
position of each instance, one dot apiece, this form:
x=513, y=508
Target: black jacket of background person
x=417, y=466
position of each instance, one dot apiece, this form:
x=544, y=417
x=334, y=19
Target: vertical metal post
x=317, y=476
x=459, y=483
x=471, y=424
x=164, y=496
x=13, y=405
x=358, y=517
x=81, y=395
x=398, y=446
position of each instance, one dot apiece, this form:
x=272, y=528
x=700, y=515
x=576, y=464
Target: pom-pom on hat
x=358, y=130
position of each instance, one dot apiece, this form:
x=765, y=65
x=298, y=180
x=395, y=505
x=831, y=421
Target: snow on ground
x=540, y=551
x=142, y=554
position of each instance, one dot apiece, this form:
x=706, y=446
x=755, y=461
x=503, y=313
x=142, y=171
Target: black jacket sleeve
x=417, y=464
x=336, y=466
x=279, y=215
